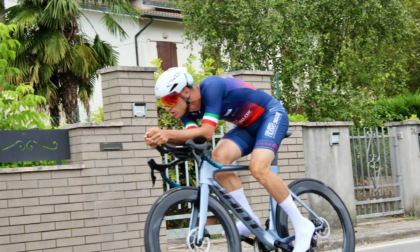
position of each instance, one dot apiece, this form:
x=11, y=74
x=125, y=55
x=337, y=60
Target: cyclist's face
x=179, y=108
x=170, y=100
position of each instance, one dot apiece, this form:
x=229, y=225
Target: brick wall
x=100, y=200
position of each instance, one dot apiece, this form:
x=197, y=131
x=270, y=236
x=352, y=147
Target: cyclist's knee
x=221, y=157
x=226, y=152
x=259, y=173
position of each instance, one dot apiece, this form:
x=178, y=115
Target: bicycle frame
x=207, y=183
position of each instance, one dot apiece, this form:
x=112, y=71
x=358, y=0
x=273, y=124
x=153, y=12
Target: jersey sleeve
x=212, y=93
x=189, y=122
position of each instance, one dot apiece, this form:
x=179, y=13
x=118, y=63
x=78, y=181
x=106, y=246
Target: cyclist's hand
x=149, y=141
x=155, y=136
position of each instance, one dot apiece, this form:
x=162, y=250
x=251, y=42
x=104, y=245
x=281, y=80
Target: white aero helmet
x=173, y=80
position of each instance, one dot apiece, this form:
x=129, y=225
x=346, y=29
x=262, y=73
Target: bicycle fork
x=200, y=211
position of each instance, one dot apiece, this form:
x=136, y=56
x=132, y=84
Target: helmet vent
x=173, y=87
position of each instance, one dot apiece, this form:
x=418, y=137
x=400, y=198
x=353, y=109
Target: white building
x=159, y=34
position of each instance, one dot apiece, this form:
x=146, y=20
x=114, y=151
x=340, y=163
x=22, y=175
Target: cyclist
x=261, y=124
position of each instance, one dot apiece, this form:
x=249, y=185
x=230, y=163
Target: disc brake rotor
x=191, y=242
x=327, y=230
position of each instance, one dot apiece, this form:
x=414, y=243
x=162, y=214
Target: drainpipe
x=135, y=40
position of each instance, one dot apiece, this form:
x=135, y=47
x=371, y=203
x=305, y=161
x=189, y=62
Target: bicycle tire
x=158, y=238
x=327, y=204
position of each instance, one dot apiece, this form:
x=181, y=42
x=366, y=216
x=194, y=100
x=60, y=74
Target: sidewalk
x=385, y=229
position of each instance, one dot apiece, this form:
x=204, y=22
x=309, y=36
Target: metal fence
x=377, y=177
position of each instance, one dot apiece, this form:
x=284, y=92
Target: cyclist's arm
x=156, y=136
x=181, y=136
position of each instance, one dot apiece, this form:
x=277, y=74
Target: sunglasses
x=170, y=100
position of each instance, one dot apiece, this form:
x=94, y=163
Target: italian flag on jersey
x=190, y=125
x=211, y=119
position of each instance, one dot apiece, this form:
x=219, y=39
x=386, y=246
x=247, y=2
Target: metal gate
x=376, y=173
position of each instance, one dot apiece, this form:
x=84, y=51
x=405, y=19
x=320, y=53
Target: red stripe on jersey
x=192, y=126
x=209, y=122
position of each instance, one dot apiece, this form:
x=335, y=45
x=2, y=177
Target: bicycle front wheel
x=168, y=225
x=338, y=234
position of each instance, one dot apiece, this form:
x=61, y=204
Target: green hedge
x=398, y=108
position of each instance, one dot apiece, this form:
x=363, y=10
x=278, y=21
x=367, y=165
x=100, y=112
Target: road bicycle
x=201, y=218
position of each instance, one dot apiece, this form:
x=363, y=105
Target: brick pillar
x=124, y=86
x=116, y=182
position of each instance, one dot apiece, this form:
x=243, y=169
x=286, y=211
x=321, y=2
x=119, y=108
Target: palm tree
x=57, y=58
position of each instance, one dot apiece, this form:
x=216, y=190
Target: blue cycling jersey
x=261, y=120
x=228, y=99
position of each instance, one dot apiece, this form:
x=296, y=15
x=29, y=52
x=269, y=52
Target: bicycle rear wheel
x=338, y=234
x=167, y=225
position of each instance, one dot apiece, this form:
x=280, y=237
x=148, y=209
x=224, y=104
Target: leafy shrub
x=98, y=116
x=18, y=105
x=297, y=118
x=398, y=108
x=18, y=109
x=8, y=48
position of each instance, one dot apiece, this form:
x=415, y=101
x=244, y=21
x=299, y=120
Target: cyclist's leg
x=225, y=153
x=236, y=143
x=269, y=135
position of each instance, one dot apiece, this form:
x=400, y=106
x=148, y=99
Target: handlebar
x=195, y=148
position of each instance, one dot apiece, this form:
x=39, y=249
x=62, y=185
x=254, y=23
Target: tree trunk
x=54, y=102
x=54, y=114
x=68, y=97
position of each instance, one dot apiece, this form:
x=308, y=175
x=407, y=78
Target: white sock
x=239, y=196
x=304, y=228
